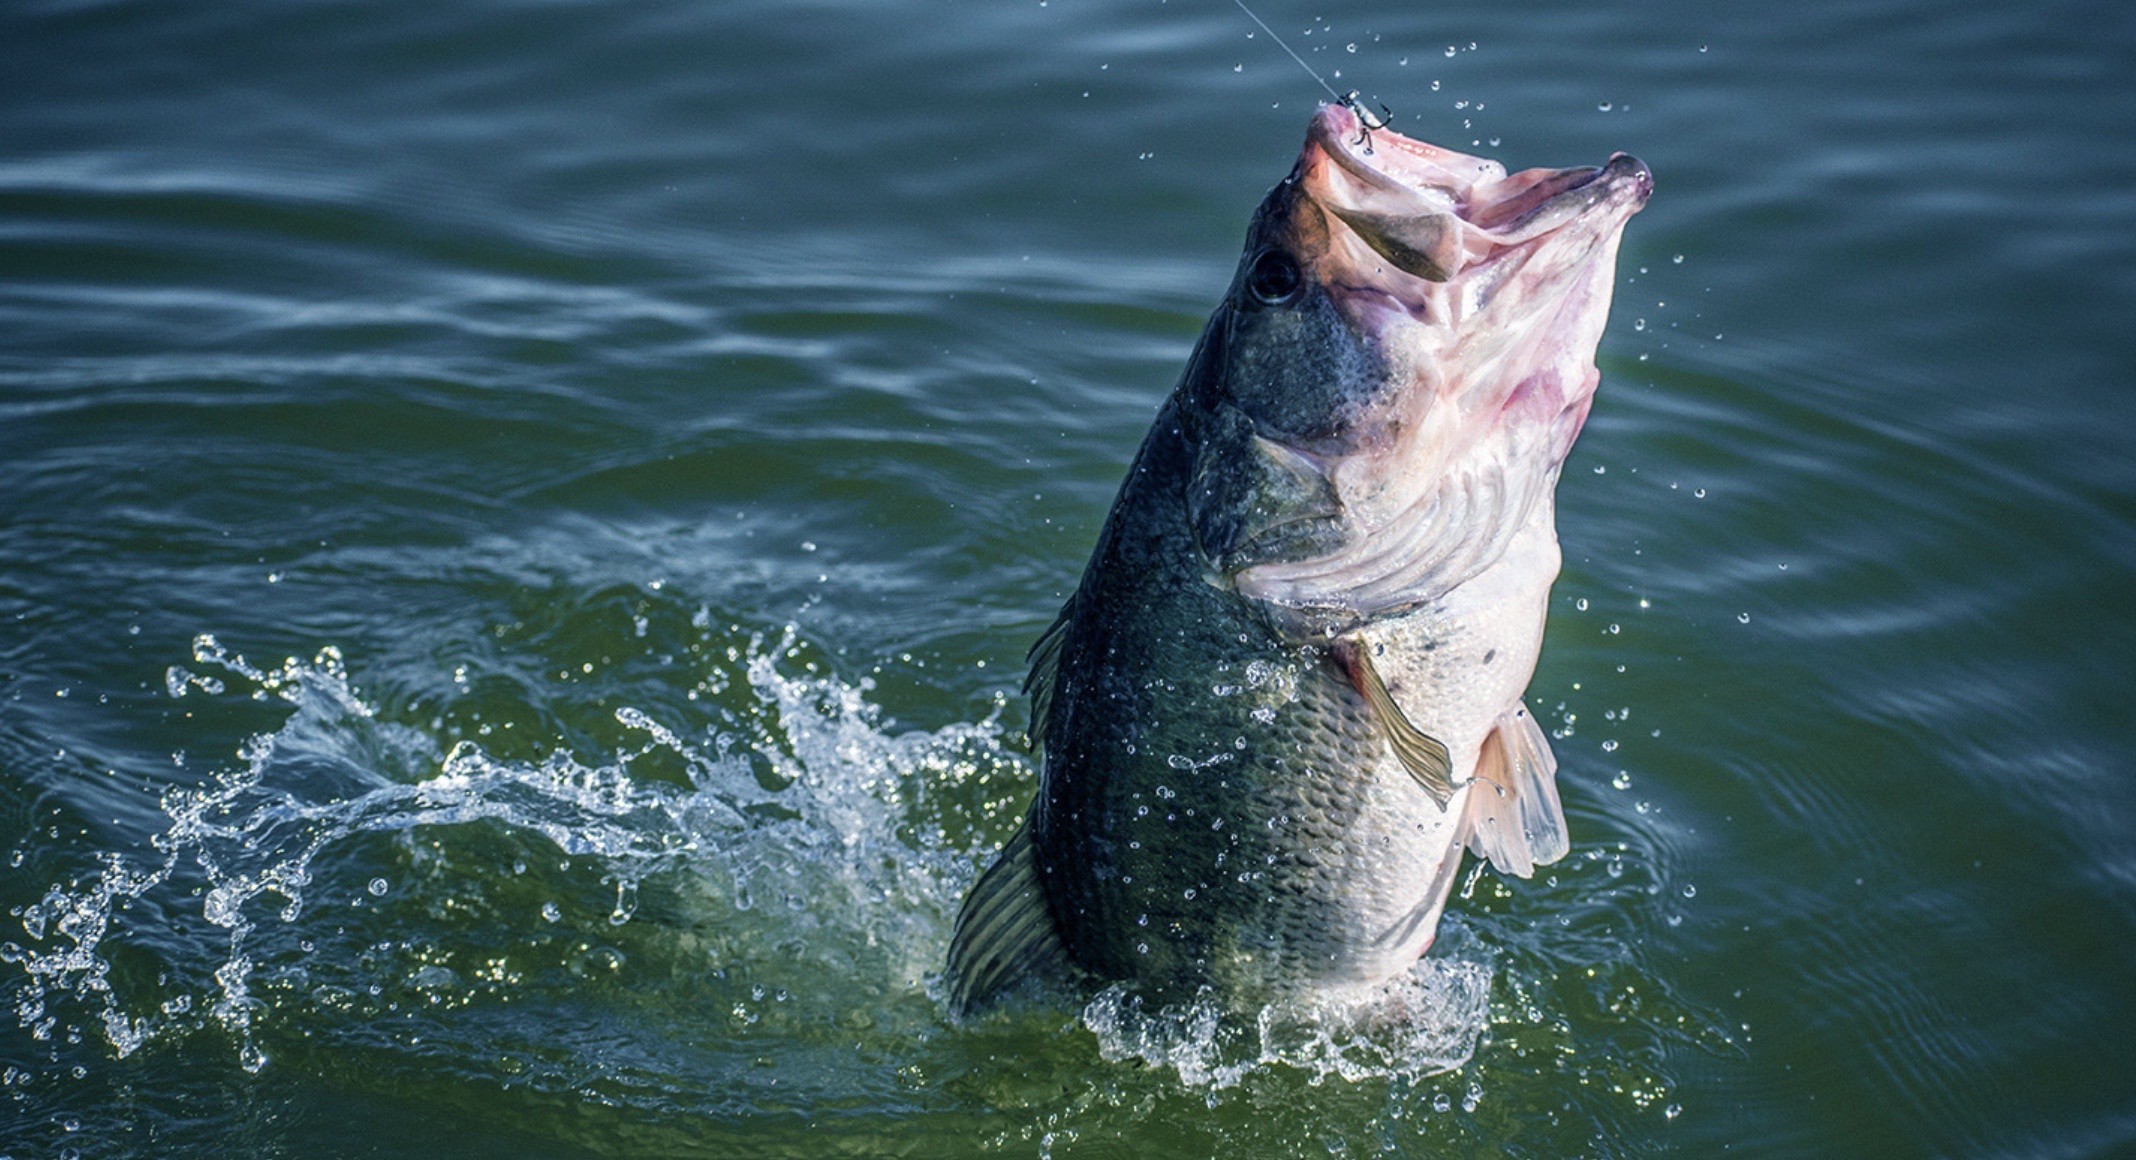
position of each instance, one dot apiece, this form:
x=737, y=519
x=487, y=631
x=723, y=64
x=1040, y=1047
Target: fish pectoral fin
x=1004, y=931
x=1423, y=755
x=1514, y=818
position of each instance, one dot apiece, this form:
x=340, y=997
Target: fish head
x=1399, y=367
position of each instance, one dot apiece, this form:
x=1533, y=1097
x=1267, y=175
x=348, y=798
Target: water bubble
x=626, y=902
x=550, y=912
x=378, y=887
x=1743, y=618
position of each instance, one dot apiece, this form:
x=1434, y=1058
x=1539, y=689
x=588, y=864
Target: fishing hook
x=1366, y=122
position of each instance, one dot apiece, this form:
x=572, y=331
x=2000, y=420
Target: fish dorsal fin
x=1423, y=755
x=1514, y=818
x=1004, y=930
x=1044, y=661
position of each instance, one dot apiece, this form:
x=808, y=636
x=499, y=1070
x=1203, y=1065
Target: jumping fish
x=1286, y=694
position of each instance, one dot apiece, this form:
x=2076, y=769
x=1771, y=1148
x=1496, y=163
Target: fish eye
x=1274, y=279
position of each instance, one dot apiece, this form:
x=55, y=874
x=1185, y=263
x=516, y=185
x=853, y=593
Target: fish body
x=1286, y=694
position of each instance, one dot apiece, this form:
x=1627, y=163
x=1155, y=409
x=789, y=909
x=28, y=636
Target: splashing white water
x=1420, y=1023
x=817, y=830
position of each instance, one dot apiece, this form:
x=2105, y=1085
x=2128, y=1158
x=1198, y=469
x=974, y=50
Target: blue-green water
x=519, y=524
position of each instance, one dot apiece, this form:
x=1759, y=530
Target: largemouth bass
x=1286, y=694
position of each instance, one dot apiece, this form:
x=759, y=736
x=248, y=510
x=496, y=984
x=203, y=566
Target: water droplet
x=1742, y=618
x=378, y=888
x=550, y=912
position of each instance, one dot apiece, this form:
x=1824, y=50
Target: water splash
x=1420, y=1023
x=804, y=807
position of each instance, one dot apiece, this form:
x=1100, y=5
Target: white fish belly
x=1455, y=668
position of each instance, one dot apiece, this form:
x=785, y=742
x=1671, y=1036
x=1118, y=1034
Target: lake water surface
x=520, y=524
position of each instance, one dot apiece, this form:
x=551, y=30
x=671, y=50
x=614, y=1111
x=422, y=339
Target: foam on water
x=1419, y=1023
x=803, y=831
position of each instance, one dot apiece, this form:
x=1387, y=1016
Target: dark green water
x=653, y=433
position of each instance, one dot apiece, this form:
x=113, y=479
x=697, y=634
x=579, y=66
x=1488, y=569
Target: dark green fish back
x=1192, y=758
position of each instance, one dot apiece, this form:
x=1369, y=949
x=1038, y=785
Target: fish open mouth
x=1434, y=210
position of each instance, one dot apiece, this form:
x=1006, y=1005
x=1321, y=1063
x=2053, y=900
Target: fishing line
x=1366, y=122
x=1287, y=48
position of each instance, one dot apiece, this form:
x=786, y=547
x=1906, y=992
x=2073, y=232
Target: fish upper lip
x=1576, y=189
x=1524, y=206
